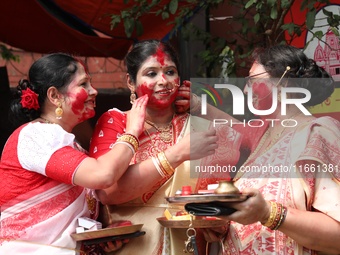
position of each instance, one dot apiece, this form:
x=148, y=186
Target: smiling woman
x=47, y=179
x=171, y=141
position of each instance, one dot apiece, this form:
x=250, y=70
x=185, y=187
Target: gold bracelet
x=158, y=166
x=277, y=216
x=131, y=139
x=273, y=211
x=165, y=163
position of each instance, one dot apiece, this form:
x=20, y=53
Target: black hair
x=144, y=49
x=56, y=69
x=275, y=60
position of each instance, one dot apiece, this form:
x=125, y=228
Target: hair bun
x=319, y=82
x=23, y=85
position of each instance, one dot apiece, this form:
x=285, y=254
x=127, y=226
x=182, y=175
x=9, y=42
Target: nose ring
x=171, y=86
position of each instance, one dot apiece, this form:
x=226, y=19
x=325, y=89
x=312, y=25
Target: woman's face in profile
x=81, y=95
x=158, y=78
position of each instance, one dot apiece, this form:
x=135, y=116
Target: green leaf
x=310, y=19
x=327, y=13
x=335, y=31
x=271, y=2
x=248, y=4
x=273, y=13
x=125, y=14
x=139, y=28
x=165, y=15
x=256, y=18
x=129, y=25
x=115, y=20
x=173, y=5
x=318, y=34
x=158, y=12
x=7, y=54
x=290, y=27
x=285, y=4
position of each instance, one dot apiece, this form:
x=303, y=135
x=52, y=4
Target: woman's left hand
x=252, y=210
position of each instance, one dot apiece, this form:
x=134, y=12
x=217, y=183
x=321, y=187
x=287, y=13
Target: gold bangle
x=131, y=139
x=158, y=166
x=165, y=163
x=277, y=216
x=273, y=210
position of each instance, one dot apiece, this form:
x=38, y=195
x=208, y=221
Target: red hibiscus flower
x=29, y=99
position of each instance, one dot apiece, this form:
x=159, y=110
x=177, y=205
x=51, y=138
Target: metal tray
x=198, y=222
x=106, y=232
x=202, y=198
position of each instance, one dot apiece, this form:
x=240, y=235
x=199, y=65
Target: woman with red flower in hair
x=47, y=180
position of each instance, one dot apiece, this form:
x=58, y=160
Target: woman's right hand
x=136, y=116
x=198, y=145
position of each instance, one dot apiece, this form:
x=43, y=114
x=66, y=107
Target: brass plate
x=204, y=198
x=106, y=232
x=199, y=222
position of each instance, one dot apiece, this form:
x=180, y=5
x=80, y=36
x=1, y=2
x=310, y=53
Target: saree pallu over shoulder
x=146, y=211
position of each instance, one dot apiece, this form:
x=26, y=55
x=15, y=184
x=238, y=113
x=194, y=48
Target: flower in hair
x=29, y=99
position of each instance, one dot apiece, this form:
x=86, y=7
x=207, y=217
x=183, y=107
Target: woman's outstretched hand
x=196, y=145
x=136, y=116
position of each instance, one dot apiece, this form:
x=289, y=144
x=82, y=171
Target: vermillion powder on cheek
x=263, y=93
x=144, y=89
x=78, y=102
x=177, y=81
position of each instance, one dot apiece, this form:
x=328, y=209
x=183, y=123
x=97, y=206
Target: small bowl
x=226, y=187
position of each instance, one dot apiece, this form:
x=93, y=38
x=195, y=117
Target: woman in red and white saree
x=167, y=157
x=46, y=179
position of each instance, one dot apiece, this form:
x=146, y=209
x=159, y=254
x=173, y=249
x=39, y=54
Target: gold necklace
x=165, y=133
x=153, y=142
x=46, y=121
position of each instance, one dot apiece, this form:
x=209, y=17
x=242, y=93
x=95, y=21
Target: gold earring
x=132, y=97
x=59, y=112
